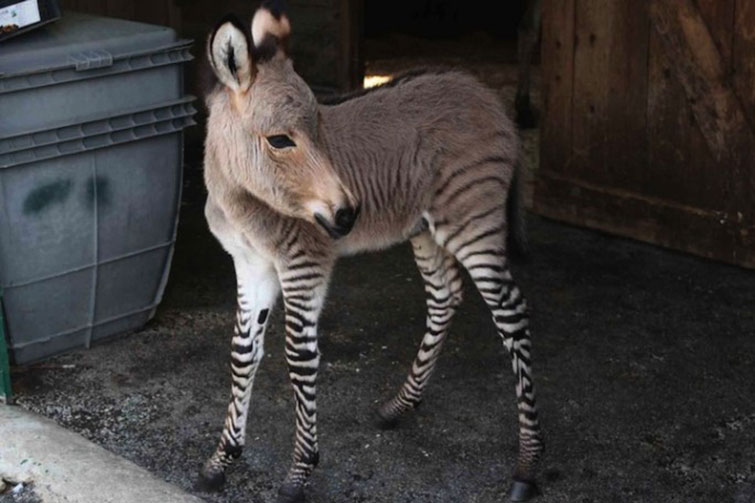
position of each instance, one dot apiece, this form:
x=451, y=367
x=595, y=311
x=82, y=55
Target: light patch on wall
x=375, y=80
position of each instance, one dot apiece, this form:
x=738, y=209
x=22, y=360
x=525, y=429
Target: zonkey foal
x=293, y=184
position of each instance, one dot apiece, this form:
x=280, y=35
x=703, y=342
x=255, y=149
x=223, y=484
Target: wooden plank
x=686, y=228
x=744, y=56
x=609, y=93
x=697, y=64
x=743, y=78
x=351, y=60
x=627, y=85
x=557, y=65
x=681, y=168
x=719, y=17
x=592, y=28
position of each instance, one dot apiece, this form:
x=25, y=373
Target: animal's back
x=398, y=145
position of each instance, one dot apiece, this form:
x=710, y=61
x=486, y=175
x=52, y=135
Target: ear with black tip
x=271, y=28
x=229, y=53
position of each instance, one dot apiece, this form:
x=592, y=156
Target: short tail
x=517, y=243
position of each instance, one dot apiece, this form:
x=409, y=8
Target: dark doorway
x=398, y=35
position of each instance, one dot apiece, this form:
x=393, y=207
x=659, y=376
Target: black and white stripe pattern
x=256, y=293
x=481, y=250
x=443, y=285
x=303, y=280
x=491, y=274
x=477, y=238
x=478, y=243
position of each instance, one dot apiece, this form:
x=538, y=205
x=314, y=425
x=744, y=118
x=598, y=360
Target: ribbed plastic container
x=90, y=182
x=83, y=66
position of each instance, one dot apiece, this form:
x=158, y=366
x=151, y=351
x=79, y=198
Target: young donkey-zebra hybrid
x=292, y=185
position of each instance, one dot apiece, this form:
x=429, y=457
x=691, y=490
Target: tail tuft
x=517, y=243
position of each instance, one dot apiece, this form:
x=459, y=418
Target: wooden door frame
x=351, y=64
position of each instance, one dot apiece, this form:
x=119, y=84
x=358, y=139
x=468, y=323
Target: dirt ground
x=644, y=363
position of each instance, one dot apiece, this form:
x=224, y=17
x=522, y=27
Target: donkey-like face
x=264, y=125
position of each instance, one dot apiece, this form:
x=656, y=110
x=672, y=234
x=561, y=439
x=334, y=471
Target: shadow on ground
x=644, y=360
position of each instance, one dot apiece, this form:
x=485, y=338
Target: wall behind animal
x=324, y=42
x=162, y=12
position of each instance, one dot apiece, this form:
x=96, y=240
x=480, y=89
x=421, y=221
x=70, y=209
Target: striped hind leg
x=480, y=249
x=443, y=285
x=257, y=292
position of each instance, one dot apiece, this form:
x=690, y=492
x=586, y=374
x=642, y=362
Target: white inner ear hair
x=230, y=56
x=264, y=23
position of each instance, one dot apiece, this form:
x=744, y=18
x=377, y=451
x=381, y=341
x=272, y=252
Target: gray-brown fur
x=428, y=158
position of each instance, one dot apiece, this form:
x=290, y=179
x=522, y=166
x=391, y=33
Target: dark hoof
x=290, y=493
x=384, y=420
x=212, y=482
x=387, y=416
x=522, y=490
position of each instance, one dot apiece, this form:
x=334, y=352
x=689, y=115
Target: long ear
x=229, y=53
x=271, y=28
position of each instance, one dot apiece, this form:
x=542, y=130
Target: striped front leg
x=257, y=291
x=304, y=282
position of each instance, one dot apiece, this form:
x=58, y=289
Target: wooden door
x=648, y=121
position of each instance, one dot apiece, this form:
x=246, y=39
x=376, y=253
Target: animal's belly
x=373, y=236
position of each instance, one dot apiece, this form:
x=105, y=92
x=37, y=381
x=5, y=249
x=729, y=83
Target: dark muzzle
x=343, y=221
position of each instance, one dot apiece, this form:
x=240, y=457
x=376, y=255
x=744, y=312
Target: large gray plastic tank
x=91, y=117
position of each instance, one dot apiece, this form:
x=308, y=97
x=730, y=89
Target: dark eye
x=280, y=141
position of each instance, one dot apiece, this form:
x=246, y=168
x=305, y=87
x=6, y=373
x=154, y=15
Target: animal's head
x=264, y=125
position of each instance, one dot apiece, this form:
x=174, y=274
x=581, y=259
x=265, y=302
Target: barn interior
x=439, y=32
x=642, y=317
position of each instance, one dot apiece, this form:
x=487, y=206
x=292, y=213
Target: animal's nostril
x=345, y=218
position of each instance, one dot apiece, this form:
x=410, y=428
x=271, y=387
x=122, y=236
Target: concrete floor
x=43, y=462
